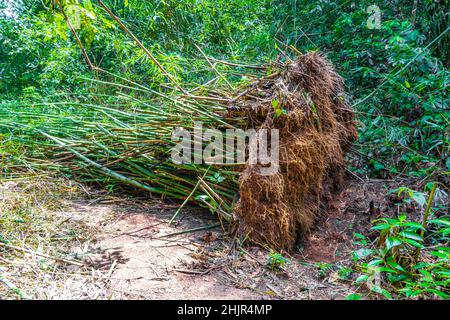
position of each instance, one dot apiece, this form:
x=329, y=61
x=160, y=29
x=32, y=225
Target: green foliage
x=276, y=261
x=323, y=268
x=407, y=259
x=353, y=296
x=397, y=82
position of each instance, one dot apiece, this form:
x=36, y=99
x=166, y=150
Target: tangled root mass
x=315, y=129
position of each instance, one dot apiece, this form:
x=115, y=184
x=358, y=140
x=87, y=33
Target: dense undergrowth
x=396, y=77
x=407, y=255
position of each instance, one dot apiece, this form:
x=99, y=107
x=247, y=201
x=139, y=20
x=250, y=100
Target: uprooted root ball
x=315, y=129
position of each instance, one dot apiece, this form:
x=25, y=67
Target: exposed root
x=315, y=129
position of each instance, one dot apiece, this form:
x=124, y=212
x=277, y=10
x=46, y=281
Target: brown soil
x=141, y=263
x=350, y=212
x=136, y=254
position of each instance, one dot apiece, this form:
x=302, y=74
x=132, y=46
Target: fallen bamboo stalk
x=214, y=68
x=187, y=198
x=238, y=64
x=191, y=230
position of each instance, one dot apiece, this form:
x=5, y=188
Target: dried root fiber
x=315, y=129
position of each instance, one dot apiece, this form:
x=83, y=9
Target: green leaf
x=428, y=276
x=383, y=269
x=407, y=84
x=378, y=166
x=410, y=235
x=440, y=221
x=275, y=104
x=439, y=254
x=359, y=235
x=440, y=294
x=445, y=274
x=429, y=186
x=392, y=242
x=353, y=296
x=375, y=262
x=414, y=225
x=381, y=291
x=217, y=177
x=202, y=197
x=382, y=226
x=445, y=232
x=396, y=277
x=362, y=253
x=362, y=278
x=414, y=243
x=395, y=265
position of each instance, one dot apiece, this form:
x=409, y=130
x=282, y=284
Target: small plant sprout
x=276, y=261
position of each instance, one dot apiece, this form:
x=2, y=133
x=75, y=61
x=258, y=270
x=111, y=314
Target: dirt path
x=143, y=257
x=143, y=262
x=130, y=251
